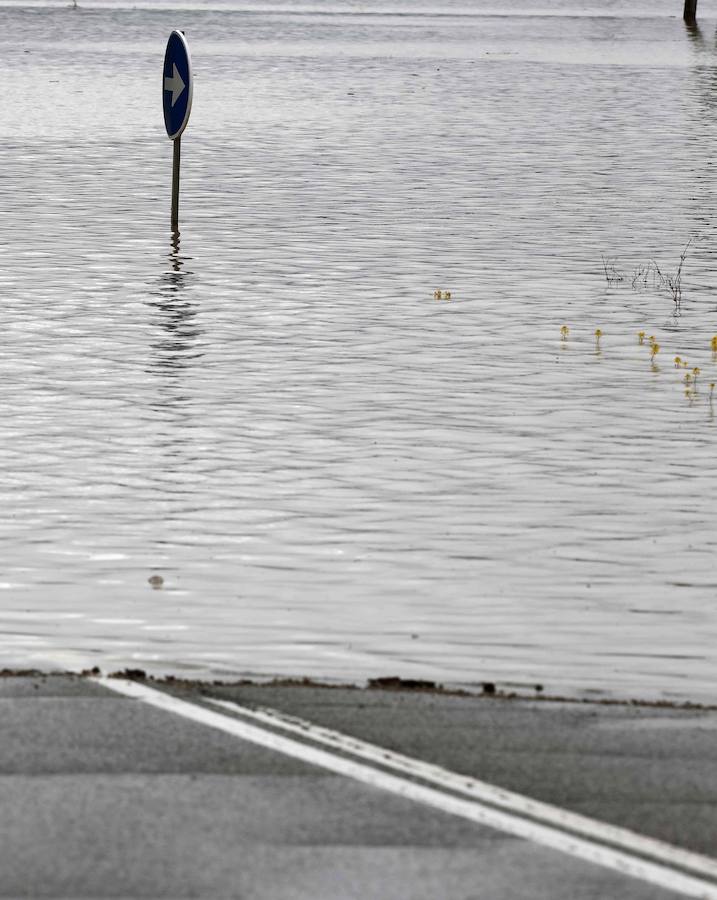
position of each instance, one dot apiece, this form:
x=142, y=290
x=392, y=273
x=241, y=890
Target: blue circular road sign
x=176, y=85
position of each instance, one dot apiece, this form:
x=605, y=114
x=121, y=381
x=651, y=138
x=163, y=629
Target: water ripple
x=334, y=472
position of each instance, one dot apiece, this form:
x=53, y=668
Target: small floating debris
x=441, y=295
x=156, y=581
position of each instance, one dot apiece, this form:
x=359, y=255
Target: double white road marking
x=606, y=845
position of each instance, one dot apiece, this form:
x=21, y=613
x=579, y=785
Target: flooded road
x=332, y=471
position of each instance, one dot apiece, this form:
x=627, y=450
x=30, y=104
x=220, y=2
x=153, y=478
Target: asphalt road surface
x=108, y=795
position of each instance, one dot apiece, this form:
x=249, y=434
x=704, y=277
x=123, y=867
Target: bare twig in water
x=640, y=276
x=647, y=274
x=674, y=282
x=651, y=275
x=612, y=276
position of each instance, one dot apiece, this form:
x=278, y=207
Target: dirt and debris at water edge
x=488, y=690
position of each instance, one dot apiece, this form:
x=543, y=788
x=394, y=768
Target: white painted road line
x=519, y=804
x=472, y=809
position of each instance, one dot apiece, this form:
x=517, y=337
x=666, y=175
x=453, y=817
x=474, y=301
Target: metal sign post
x=177, y=104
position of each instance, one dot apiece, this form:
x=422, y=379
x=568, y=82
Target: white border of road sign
x=190, y=86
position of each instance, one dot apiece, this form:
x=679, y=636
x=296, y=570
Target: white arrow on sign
x=174, y=84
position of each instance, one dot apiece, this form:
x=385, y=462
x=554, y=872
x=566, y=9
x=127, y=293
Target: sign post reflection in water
x=177, y=104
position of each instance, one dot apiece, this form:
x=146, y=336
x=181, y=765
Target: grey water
x=334, y=472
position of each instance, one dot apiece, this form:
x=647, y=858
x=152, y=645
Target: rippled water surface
x=335, y=473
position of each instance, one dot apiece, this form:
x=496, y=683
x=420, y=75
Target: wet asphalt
x=103, y=796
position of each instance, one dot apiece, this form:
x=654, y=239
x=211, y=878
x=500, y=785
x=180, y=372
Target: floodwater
x=333, y=472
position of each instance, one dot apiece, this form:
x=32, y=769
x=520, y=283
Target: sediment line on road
x=533, y=822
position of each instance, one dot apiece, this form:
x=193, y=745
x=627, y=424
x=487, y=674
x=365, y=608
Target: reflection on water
x=330, y=472
x=694, y=32
x=176, y=348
